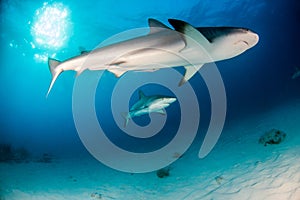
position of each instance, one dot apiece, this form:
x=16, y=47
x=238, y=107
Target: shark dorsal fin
x=82, y=50
x=156, y=26
x=190, y=31
x=141, y=94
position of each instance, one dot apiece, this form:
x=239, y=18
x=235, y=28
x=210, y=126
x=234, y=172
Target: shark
x=148, y=104
x=162, y=47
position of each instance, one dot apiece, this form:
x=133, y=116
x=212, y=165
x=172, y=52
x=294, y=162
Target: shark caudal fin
x=127, y=117
x=54, y=72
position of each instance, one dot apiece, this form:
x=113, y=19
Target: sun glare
x=51, y=26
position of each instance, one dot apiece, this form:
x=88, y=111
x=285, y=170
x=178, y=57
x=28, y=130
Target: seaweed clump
x=274, y=136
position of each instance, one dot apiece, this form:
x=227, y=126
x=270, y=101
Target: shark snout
x=252, y=38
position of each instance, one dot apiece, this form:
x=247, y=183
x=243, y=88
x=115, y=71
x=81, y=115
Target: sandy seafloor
x=248, y=170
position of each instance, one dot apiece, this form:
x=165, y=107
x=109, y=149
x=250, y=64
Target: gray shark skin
x=148, y=104
x=165, y=46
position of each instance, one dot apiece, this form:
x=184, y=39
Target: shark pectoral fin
x=190, y=70
x=127, y=117
x=161, y=112
x=190, y=31
x=118, y=73
x=156, y=26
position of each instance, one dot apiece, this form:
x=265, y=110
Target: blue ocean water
x=257, y=81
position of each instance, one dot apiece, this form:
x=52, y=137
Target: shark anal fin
x=117, y=72
x=79, y=71
x=162, y=111
x=190, y=31
x=190, y=70
x=156, y=26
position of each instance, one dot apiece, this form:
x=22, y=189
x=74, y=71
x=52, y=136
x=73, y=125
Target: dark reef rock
x=10, y=154
x=219, y=179
x=21, y=155
x=6, y=153
x=274, y=136
x=96, y=195
x=164, y=172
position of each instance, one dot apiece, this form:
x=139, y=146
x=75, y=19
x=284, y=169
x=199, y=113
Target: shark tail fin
x=54, y=72
x=127, y=117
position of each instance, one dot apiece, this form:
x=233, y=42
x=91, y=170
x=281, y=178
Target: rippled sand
x=238, y=168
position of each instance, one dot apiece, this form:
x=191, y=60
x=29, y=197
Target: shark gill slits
x=213, y=33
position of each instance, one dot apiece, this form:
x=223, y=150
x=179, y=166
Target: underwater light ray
x=51, y=28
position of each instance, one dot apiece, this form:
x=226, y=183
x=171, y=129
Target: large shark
x=162, y=47
x=148, y=104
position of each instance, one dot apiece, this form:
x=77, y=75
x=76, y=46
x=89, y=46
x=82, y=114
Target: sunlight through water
x=50, y=29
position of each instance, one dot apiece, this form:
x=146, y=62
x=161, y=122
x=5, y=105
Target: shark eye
x=246, y=42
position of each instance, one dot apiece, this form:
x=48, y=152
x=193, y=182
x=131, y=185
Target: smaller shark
x=296, y=74
x=148, y=104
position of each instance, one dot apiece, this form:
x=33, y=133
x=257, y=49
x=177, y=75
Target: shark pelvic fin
x=78, y=72
x=190, y=70
x=156, y=26
x=190, y=31
x=54, y=72
x=127, y=117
